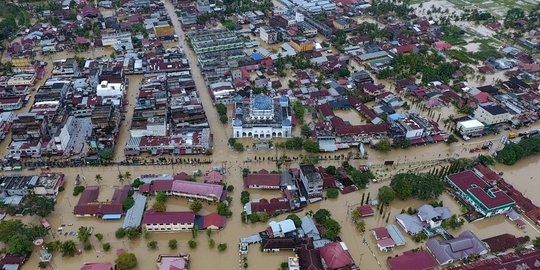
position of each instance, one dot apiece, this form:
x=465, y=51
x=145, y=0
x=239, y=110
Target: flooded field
x=351, y=116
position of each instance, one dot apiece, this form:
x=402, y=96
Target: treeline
x=14, y=17
x=513, y=152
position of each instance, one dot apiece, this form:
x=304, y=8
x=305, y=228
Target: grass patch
x=462, y=56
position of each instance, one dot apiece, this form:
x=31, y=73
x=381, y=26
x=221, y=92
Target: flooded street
x=367, y=256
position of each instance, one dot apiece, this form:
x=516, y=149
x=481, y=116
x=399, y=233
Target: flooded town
x=270, y=134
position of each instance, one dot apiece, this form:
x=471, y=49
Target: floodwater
x=351, y=116
x=418, y=158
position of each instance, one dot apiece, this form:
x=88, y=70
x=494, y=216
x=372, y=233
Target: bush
x=222, y=247
x=77, y=190
x=173, y=244
x=192, y=244
x=99, y=236
x=42, y=265
x=244, y=197
x=211, y=243
x=230, y=188
x=153, y=244
x=332, y=193
x=128, y=203
x=106, y=247
x=120, y=233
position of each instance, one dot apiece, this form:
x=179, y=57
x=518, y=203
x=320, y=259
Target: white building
x=470, y=127
x=110, y=91
x=268, y=34
x=261, y=117
x=155, y=126
x=491, y=115
x=168, y=221
x=22, y=79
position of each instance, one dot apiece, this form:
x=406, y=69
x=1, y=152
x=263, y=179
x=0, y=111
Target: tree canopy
x=297, y=221
x=39, y=205
x=422, y=186
x=322, y=215
x=513, y=152
x=386, y=195
x=126, y=261
x=18, y=236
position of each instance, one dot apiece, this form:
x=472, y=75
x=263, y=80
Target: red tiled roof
x=97, y=266
x=411, y=260
x=365, y=210
x=152, y=217
x=381, y=233
x=335, y=255
x=214, y=219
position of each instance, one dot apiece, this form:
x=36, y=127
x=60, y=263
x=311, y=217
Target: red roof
x=469, y=183
x=97, y=266
x=410, y=260
x=214, y=219
x=381, y=233
x=365, y=210
x=441, y=45
x=336, y=255
x=272, y=206
x=271, y=180
x=526, y=260
x=361, y=129
x=152, y=217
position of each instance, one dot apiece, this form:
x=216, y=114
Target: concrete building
x=464, y=246
x=262, y=118
x=312, y=180
x=487, y=199
x=470, y=127
x=492, y=115
x=168, y=221
x=268, y=34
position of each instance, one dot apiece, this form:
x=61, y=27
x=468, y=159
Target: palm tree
x=121, y=178
x=98, y=179
x=361, y=226
x=127, y=175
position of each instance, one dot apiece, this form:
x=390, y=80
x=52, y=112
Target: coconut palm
x=98, y=179
x=120, y=178
x=127, y=175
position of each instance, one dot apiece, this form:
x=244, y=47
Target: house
x=464, y=246
x=212, y=221
x=311, y=180
x=384, y=241
x=173, y=262
x=411, y=224
x=97, y=266
x=527, y=259
x=268, y=34
x=503, y=242
x=278, y=244
x=433, y=216
x=168, y=221
x=262, y=180
x=89, y=206
x=492, y=114
x=336, y=255
x=134, y=214
x=412, y=260
x=281, y=228
x=487, y=199
x=309, y=228
x=274, y=206
x=396, y=235
x=365, y=210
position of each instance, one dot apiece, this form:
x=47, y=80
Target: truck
x=512, y=135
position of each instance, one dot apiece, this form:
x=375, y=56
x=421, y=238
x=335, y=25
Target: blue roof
x=283, y=99
x=256, y=56
x=262, y=103
x=239, y=111
x=238, y=99
x=112, y=216
x=395, y=116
